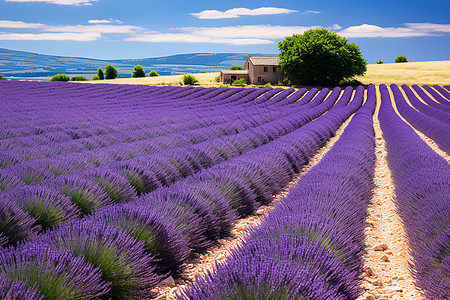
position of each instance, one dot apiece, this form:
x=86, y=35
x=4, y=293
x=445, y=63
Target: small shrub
x=234, y=68
x=350, y=82
x=284, y=82
x=100, y=74
x=78, y=78
x=380, y=62
x=203, y=72
x=401, y=59
x=241, y=81
x=110, y=72
x=189, y=79
x=262, y=85
x=138, y=72
x=217, y=78
x=2, y=77
x=60, y=77
x=153, y=73
x=95, y=77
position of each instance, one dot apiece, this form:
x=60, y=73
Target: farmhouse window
x=259, y=79
x=274, y=69
x=233, y=78
x=266, y=69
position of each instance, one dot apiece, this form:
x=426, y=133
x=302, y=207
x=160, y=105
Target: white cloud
x=60, y=2
x=430, y=27
x=19, y=24
x=237, y=12
x=79, y=37
x=64, y=32
x=336, y=27
x=193, y=38
x=234, y=35
x=248, y=31
x=410, y=30
x=95, y=28
x=308, y=12
x=109, y=21
x=99, y=21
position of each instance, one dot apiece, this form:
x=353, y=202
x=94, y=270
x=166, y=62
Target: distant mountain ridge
x=33, y=65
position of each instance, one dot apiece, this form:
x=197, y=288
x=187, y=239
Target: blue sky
x=109, y=29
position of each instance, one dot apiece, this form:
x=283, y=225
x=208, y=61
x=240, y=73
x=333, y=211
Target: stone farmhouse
x=258, y=69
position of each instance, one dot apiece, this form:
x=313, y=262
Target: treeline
x=110, y=73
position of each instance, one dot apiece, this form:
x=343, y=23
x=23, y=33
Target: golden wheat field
x=430, y=72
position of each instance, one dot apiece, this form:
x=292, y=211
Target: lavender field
x=107, y=190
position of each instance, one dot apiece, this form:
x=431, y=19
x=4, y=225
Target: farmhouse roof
x=237, y=72
x=265, y=60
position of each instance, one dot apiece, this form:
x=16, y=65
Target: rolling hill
x=20, y=64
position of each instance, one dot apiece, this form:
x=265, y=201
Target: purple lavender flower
x=161, y=239
x=115, y=185
x=141, y=179
x=9, y=181
x=181, y=216
x=17, y=290
x=260, y=278
x=55, y=273
x=87, y=195
x=121, y=259
x=15, y=224
x=48, y=207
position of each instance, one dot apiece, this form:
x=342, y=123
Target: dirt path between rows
x=200, y=264
x=386, y=260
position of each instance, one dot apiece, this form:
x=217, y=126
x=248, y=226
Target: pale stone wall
x=257, y=74
x=229, y=78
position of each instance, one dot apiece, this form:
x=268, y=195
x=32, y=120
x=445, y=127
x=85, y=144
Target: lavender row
x=120, y=152
x=122, y=181
x=311, y=245
x=85, y=141
x=421, y=178
x=38, y=170
x=43, y=137
x=438, y=97
x=426, y=109
x=436, y=130
x=134, y=107
x=168, y=223
x=429, y=100
x=443, y=91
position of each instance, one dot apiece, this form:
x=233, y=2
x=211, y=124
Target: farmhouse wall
x=269, y=74
x=257, y=69
x=227, y=77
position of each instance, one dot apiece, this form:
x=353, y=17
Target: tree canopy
x=138, y=72
x=100, y=74
x=320, y=57
x=236, y=68
x=401, y=59
x=110, y=72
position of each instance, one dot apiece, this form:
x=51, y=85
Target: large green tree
x=320, y=57
x=110, y=72
x=138, y=72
